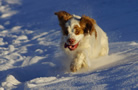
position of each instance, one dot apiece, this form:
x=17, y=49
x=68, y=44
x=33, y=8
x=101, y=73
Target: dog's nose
x=71, y=41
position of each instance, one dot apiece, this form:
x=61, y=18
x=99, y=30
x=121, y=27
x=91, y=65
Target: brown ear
x=63, y=16
x=87, y=24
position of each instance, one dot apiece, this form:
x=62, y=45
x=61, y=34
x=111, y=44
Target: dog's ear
x=88, y=25
x=63, y=16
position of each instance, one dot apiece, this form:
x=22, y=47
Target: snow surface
x=30, y=57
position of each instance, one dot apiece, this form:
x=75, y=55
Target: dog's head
x=74, y=28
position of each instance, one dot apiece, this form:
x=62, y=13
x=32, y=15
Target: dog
x=82, y=39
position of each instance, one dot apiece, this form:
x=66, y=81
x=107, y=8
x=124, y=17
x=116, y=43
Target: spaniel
x=82, y=39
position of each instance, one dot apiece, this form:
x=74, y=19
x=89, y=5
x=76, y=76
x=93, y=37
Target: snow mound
x=40, y=82
x=10, y=82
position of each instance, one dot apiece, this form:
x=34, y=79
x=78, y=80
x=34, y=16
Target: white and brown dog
x=82, y=39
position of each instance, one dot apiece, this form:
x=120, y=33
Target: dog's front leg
x=78, y=62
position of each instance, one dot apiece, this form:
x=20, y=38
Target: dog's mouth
x=71, y=47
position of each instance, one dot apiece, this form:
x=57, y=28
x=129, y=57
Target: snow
x=6, y=10
x=30, y=57
x=10, y=82
x=1, y=27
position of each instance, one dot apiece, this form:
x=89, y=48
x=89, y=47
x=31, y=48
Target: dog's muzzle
x=71, y=47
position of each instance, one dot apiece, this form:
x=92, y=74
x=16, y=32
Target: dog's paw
x=74, y=68
x=78, y=63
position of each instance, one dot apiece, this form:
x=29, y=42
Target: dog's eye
x=77, y=32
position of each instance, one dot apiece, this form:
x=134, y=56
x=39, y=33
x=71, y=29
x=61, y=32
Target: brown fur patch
x=63, y=17
x=64, y=30
x=87, y=25
x=78, y=30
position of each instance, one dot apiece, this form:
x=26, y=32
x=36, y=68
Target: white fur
x=89, y=47
x=70, y=25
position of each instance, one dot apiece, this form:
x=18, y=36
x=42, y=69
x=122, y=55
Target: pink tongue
x=71, y=47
